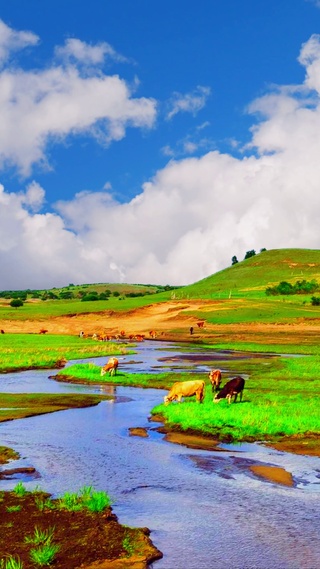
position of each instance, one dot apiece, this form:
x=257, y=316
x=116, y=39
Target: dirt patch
x=273, y=474
x=86, y=540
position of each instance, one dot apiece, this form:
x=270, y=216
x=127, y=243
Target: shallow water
x=205, y=509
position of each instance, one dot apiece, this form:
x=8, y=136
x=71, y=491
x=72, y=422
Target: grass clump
x=45, y=554
x=86, y=498
x=11, y=562
x=20, y=489
x=40, y=537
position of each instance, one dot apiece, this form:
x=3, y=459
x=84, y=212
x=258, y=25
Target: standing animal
x=232, y=388
x=215, y=379
x=185, y=389
x=110, y=367
x=200, y=324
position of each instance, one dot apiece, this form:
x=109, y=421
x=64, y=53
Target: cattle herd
x=180, y=389
x=231, y=389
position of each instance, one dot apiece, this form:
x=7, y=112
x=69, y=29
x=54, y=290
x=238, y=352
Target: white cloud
x=11, y=40
x=57, y=102
x=188, y=103
x=75, y=49
x=192, y=217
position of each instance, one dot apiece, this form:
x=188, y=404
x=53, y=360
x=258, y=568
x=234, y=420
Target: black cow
x=232, y=388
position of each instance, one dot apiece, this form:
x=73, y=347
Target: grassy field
x=31, y=351
x=280, y=398
x=281, y=393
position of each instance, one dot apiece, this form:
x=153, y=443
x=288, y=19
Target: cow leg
x=241, y=392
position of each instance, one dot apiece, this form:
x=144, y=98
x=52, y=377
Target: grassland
x=280, y=395
x=31, y=351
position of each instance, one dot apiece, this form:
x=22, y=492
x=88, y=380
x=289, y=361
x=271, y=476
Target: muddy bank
x=83, y=538
x=308, y=445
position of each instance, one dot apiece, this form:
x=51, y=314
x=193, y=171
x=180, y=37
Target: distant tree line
x=300, y=287
x=83, y=295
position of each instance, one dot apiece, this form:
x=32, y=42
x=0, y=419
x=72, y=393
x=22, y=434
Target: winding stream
x=205, y=509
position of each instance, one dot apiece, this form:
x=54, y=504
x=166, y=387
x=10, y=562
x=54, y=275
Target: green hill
x=251, y=277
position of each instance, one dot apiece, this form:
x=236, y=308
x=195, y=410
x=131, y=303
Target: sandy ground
x=170, y=321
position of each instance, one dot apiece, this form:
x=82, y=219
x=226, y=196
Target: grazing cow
x=153, y=334
x=2, y=331
x=43, y=331
x=110, y=367
x=215, y=379
x=231, y=389
x=200, y=324
x=185, y=389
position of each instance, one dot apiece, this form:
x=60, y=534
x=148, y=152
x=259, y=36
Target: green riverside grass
x=280, y=398
x=92, y=373
x=20, y=489
x=11, y=562
x=28, y=351
x=44, y=554
x=40, y=537
x=86, y=498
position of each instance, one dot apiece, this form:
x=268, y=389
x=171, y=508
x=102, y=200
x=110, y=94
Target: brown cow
x=110, y=367
x=232, y=388
x=215, y=379
x=185, y=389
x=200, y=324
x=153, y=334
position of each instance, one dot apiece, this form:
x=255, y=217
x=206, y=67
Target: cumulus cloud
x=60, y=101
x=12, y=40
x=189, y=102
x=191, y=217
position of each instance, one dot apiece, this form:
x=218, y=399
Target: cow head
x=166, y=400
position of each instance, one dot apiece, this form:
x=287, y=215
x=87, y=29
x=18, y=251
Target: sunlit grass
x=86, y=498
x=280, y=400
x=23, y=351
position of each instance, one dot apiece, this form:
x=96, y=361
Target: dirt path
x=171, y=320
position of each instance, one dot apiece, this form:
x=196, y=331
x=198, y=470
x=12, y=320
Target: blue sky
x=146, y=141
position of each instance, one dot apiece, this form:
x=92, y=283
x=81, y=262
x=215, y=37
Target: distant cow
x=200, y=324
x=185, y=389
x=215, y=379
x=231, y=389
x=110, y=367
x=153, y=334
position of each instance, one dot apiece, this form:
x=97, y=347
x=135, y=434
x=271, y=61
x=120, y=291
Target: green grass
x=280, y=399
x=11, y=562
x=40, y=537
x=86, y=498
x=21, y=405
x=20, y=489
x=92, y=373
x=249, y=278
x=44, y=554
x=13, y=508
x=30, y=351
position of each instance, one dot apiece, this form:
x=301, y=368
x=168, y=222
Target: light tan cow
x=185, y=389
x=215, y=379
x=110, y=367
